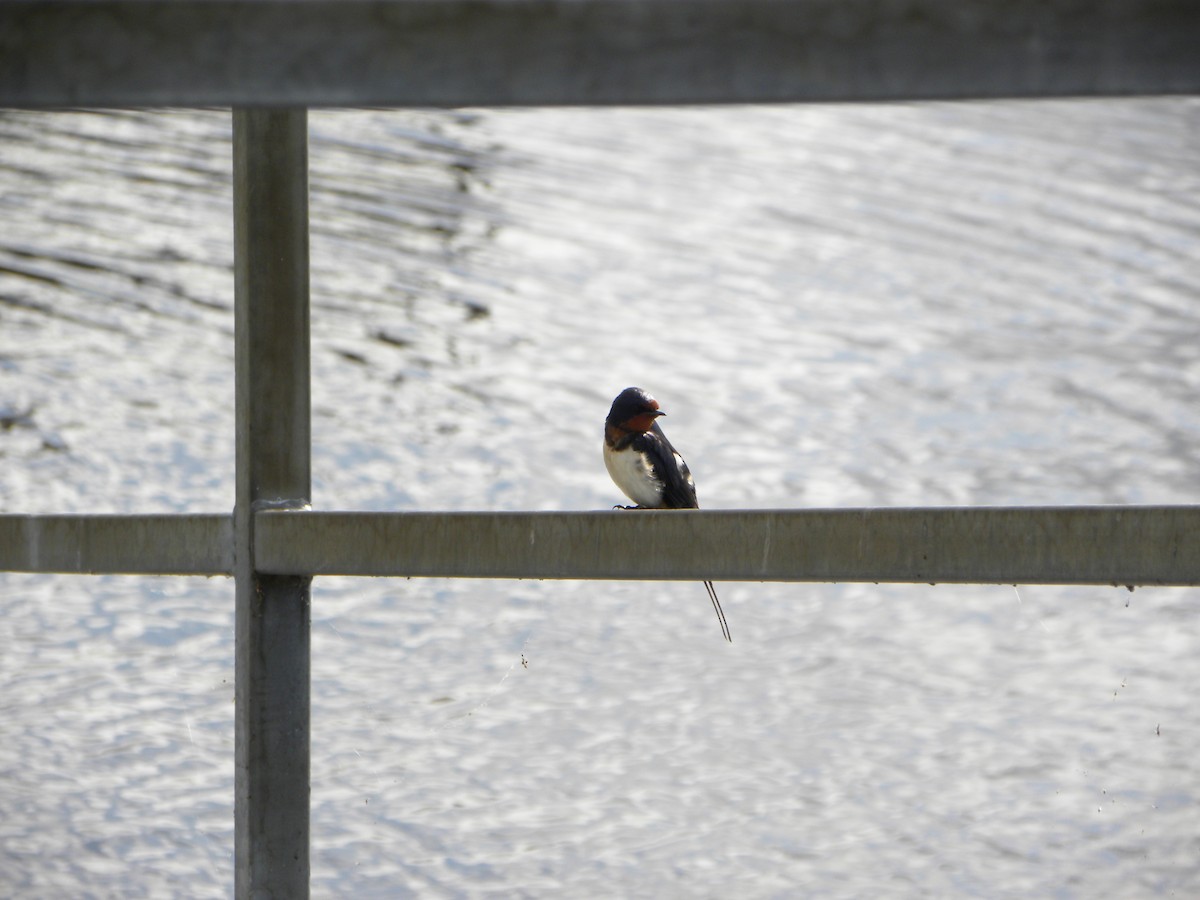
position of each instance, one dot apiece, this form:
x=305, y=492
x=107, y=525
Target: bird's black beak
x=657, y=412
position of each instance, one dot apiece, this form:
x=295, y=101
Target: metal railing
x=1098, y=545
x=537, y=52
x=261, y=57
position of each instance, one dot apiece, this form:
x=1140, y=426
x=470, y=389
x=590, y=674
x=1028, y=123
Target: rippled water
x=838, y=306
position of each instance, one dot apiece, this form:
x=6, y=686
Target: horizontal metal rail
x=117, y=544
x=1070, y=545
x=1122, y=545
x=552, y=52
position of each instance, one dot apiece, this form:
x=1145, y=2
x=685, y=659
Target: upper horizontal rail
x=57, y=53
x=1125, y=545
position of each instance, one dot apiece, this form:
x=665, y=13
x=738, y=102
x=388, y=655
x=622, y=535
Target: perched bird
x=644, y=465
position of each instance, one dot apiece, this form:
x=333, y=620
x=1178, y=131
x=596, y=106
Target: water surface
x=961, y=304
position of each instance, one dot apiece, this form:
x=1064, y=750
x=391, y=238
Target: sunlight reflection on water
x=838, y=306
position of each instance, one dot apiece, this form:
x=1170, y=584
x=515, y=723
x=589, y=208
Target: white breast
x=633, y=476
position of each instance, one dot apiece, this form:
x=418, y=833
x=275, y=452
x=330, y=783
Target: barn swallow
x=644, y=465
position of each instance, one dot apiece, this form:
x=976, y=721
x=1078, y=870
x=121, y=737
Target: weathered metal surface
x=119, y=545
x=1142, y=545
x=271, y=358
x=537, y=52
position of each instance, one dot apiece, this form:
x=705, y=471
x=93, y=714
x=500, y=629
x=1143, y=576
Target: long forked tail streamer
x=712, y=595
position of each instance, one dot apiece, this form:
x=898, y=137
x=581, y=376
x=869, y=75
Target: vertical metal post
x=270, y=200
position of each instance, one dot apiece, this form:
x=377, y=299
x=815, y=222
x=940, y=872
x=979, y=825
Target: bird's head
x=633, y=410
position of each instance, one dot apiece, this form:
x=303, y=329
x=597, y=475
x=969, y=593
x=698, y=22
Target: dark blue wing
x=678, y=490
